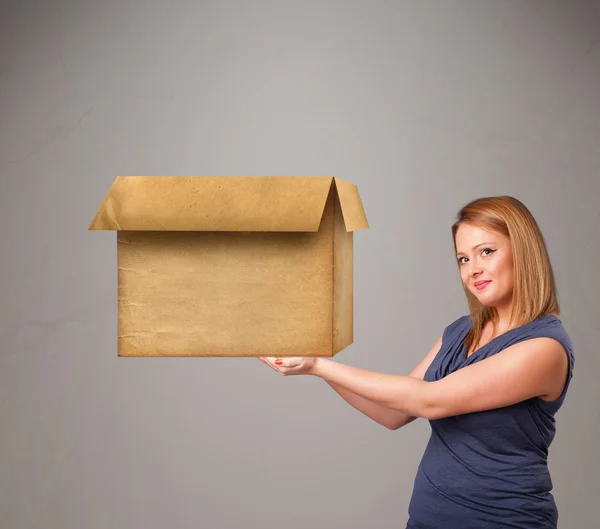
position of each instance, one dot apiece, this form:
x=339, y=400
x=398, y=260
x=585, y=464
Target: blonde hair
x=534, y=289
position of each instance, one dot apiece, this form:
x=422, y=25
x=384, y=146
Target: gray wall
x=423, y=105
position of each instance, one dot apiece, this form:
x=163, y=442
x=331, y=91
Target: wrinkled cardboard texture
x=228, y=292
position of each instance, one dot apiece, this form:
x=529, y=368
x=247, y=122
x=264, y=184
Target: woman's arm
x=535, y=367
x=392, y=419
x=387, y=417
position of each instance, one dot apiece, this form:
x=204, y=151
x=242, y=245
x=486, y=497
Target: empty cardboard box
x=233, y=265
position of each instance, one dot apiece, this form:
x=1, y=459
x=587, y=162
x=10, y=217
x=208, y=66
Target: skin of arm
x=536, y=367
x=390, y=418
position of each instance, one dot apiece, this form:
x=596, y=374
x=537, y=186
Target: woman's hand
x=292, y=365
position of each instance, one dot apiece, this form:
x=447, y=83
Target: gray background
x=423, y=105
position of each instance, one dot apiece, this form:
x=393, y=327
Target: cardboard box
x=233, y=265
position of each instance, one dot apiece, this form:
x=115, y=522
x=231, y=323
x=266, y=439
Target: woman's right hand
x=296, y=365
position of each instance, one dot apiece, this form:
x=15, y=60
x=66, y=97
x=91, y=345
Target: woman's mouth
x=480, y=285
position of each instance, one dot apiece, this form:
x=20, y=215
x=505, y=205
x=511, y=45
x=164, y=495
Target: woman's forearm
x=387, y=417
x=404, y=394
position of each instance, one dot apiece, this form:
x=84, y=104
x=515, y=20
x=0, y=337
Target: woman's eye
x=460, y=259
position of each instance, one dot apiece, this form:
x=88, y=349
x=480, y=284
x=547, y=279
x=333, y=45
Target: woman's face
x=485, y=256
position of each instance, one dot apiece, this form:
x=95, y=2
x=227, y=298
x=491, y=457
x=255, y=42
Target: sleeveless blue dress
x=489, y=469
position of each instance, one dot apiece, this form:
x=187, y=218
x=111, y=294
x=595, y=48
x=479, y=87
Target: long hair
x=534, y=288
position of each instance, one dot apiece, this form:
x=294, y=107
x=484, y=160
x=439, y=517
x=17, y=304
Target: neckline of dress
x=467, y=356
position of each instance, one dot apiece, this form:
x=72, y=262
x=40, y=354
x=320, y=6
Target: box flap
x=352, y=209
x=224, y=203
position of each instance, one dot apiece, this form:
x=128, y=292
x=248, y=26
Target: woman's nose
x=474, y=268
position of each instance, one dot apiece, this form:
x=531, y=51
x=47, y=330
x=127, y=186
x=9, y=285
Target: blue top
x=489, y=469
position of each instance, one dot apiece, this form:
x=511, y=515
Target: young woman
x=490, y=386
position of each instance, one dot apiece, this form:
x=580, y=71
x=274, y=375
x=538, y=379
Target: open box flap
x=225, y=203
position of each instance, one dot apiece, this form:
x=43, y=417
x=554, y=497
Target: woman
x=490, y=386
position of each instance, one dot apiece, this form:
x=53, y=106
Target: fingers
x=287, y=362
x=264, y=361
x=270, y=362
x=292, y=361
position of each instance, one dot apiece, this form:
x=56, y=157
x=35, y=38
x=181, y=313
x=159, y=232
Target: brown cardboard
x=233, y=265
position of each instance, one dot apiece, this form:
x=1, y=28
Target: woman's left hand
x=292, y=365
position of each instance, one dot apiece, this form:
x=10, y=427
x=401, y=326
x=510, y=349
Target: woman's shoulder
x=551, y=326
